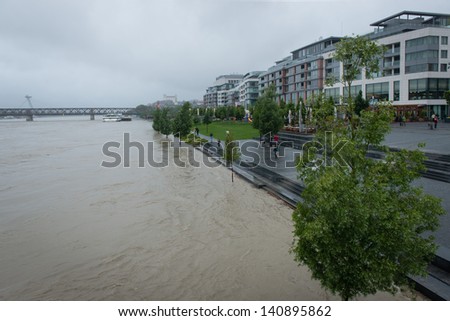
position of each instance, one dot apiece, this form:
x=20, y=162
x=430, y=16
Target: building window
x=444, y=54
x=421, y=68
x=378, y=91
x=444, y=40
x=443, y=67
x=420, y=55
x=396, y=90
x=333, y=93
x=354, y=91
x=417, y=89
x=428, y=88
x=429, y=40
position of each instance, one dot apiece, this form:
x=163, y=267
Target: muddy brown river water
x=71, y=229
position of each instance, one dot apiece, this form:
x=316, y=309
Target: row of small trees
x=269, y=117
x=361, y=225
x=168, y=121
x=180, y=123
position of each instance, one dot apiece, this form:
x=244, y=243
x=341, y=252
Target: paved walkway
x=437, y=141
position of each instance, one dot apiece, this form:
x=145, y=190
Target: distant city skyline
x=117, y=53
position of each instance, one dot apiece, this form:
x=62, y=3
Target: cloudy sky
x=126, y=52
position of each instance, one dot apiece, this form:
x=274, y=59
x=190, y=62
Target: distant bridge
x=91, y=111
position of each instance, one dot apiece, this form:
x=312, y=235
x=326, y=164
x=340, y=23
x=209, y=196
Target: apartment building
x=415, y=70
x=301, y=75
x=223, y=92
x=248, y=89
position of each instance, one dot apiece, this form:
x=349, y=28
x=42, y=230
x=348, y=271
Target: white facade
x=223, y=92
x=248, y=89
x=408, y=90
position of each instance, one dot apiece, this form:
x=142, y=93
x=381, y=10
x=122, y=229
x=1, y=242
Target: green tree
x=144, y=111
x=360, y=103
x=221, y=113
x=357, y=54
x=323, y=109
x=232, y=152
x=240, y=113
x=267, y=117
x=251, y=110
x=207, y=119
x=165, y=122
x=447, y=96
x=360, y=228
x=182, y=123
x=196, y=120
x=157, y=120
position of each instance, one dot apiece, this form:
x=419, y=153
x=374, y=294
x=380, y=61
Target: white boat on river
x=112, y=117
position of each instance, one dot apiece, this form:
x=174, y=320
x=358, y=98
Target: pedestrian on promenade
x=275, y=151
x=211, y=137
x=275, y=139
x=403, y=120
x=218, y=143
x=435, y=121
x=196, y=131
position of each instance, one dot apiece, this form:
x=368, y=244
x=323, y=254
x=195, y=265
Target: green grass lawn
x=239, y=130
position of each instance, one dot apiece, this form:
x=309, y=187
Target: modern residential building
x=300, y=75
x=248, y=89
x=415, y=71
x=223, y=92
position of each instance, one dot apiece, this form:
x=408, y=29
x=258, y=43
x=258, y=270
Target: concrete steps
x=438, y=165
x=436, y=285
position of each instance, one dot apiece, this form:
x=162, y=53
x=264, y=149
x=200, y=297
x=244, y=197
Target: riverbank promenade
x=437, y=141
x=278, y=175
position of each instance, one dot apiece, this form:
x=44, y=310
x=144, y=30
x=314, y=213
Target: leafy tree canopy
x=157, y=120
x=267, y=117
x=207, y=119
x=182, y=123
x=447, y=97
x=165, y=122
x=357, y=54
x=231, y=152
x=360, y=228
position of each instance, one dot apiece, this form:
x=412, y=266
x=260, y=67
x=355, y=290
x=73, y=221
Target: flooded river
x=71, y=229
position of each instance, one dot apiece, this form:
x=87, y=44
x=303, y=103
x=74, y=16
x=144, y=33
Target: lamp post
x=300, y=118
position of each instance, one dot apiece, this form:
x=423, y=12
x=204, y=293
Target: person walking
x=275, y=151
x=435, y=120
x=275, y=139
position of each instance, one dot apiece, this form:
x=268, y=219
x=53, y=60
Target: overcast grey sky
x=127, y=52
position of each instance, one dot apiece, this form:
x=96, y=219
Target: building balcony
x=392, y=52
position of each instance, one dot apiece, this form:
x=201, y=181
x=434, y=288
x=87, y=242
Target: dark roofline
x=319, y=41
x=414, y=13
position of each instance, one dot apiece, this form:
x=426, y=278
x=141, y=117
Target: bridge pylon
x=29, y=114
